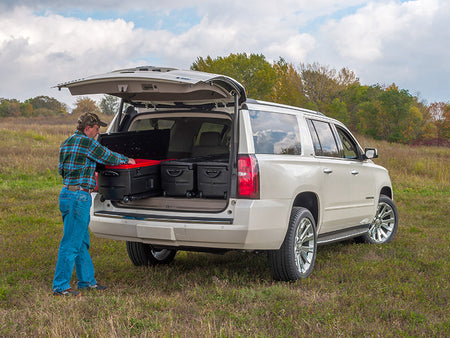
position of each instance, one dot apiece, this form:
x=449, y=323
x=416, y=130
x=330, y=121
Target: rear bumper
x=245, y=225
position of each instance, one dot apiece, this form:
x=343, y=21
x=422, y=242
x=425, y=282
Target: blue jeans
x=74, y=246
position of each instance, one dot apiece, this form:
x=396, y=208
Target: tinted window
x=317, y=147
x=275, y=133
x=348, y=144
x=323, y=139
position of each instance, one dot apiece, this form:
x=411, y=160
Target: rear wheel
x=143, y=254
x=164, y=256
x=385, y=223
x=295, y=259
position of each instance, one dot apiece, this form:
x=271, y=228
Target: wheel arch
x=387, y=191
x=310, y=201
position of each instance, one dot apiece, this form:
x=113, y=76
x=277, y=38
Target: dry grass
x=399, y=289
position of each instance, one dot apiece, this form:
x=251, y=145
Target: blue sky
x=176, y=21
x=45, y=42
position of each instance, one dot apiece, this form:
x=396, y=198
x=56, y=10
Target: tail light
x=248, y=177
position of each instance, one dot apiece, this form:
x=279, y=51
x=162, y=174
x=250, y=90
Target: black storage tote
x=213, y=179
x=130, y=181
x=177, y=178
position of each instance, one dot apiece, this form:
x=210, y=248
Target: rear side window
x=323, y=139
x=275, y=133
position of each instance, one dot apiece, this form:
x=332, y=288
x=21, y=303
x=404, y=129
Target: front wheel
x=295, y=259
x=384, y=225
x=143, y=254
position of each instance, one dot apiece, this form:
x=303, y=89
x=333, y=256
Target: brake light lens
x=248, y=177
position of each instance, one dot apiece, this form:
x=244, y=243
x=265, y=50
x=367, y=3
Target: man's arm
x=103, y=155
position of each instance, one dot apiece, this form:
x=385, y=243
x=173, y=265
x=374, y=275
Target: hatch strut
x=236, y=126
x=119, y=117
x=234, y=146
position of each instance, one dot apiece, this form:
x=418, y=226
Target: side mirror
x=371, y=153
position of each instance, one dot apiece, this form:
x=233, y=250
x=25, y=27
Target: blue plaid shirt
x=78, y=156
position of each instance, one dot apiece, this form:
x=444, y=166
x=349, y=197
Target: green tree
x=109, y=105
x=49, y=105
x=321, y=85
x=413, y=125
x=26, y=109
x=338, y=110
x=252, y=71
x=85, y=105
x=288, y=88
x=4, y=107
x=394, y=113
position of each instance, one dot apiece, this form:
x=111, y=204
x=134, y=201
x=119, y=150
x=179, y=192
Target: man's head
x=89, y=123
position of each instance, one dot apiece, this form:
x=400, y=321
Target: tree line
x=382, y=112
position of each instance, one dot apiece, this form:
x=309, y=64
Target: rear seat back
x=209, y=144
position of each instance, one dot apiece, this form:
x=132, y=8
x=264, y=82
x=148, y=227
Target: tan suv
x=222, y=172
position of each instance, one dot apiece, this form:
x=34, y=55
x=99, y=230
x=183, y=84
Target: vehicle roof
x=252, y=102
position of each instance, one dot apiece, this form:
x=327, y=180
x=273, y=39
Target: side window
x=323, y=139
x=350, y=149
x=275, y=133
x=312, y=130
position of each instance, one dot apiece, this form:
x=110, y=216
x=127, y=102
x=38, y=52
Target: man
x=78, y=156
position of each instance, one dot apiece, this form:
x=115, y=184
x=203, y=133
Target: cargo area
x=183, y=162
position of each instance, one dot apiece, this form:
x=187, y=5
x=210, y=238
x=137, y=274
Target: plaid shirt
x=78, y=157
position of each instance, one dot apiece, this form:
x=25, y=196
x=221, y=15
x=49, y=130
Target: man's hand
x=131, y=161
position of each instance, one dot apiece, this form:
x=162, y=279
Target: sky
x=47, y=42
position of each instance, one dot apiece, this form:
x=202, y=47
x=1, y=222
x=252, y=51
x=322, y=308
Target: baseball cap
x=91, y=118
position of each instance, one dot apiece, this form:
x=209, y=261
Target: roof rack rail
x=273, y=104
x=144, y=69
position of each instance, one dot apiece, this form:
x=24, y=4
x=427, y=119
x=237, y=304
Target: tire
x=296, y=256
x=163, y=256
x=384, y=225
x=142, y=254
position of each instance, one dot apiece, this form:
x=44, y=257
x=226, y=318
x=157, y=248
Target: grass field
x=398, y=289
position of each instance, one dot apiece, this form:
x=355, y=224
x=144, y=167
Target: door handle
x=327, y=171
x=354, y=172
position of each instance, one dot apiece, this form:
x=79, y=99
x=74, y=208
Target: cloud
x=45, y=50
x=50, y=48
x=365, y=34
x=393, y=41
x=43, y=42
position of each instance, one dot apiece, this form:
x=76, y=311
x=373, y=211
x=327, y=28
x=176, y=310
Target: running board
x=339, y=235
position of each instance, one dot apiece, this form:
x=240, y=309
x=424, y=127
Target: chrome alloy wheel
x=161, y=255
x=383, y=224
x=304, y=245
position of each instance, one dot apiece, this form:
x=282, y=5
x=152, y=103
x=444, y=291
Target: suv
x=289, y=178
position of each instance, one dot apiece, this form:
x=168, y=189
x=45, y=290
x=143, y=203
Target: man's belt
x=77, y=187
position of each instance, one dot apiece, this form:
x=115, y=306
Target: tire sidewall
x=390, y=202
x=298, y=214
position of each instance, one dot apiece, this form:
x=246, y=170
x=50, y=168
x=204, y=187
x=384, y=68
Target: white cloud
x=392, y=41
x=365, y=34
x=382, y=41
x=45, y=50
